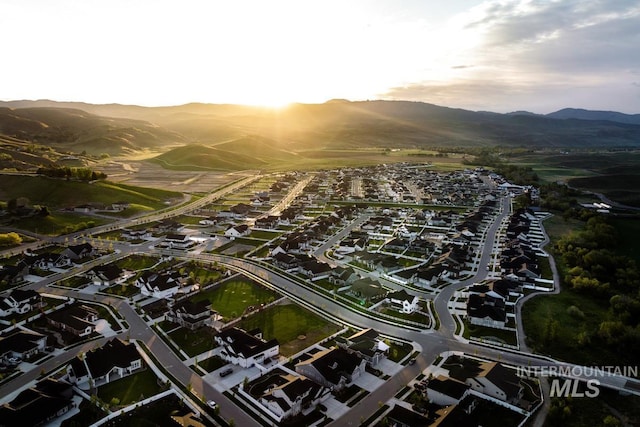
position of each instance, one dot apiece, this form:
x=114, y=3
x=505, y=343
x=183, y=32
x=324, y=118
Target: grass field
x=614, y=174
x=232, y=297
x=294, y=327
x=194, y=342
x=58, y=223
x=57, y=193
x=130, y=389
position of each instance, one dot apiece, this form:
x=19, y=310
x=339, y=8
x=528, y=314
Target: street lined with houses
x=301, y=285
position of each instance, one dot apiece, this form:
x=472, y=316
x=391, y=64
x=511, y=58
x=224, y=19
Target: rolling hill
x=228, y=137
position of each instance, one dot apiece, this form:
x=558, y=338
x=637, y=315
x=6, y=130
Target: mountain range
x=116, y=129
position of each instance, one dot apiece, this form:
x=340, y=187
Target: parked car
x=211, y=403
x=226, y=372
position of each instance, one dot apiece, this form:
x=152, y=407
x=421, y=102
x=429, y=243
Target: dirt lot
x=146, y=174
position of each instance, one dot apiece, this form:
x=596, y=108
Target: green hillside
x=57, y=193
x=200, y=157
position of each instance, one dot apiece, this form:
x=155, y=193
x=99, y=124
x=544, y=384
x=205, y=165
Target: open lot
x=231, y=298
x=294, y=327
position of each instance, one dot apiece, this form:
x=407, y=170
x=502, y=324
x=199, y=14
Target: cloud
x=542, y=54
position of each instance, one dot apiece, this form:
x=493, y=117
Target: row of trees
x=81, y=174
x=595, y=269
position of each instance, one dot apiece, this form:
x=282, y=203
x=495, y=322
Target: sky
x=493, y=55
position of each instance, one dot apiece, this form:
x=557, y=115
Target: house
x=367, y=289
x=486, y=310
x=315, y=270
x=246, y=349
x=333, y=368
x=286, y=261
x=240, y=210
x=405, y=302
x=212, y=220
x=286, y=395
x=446, y=391
x=38, y=405
x=234, y=231
x=268, y=222
x=78, y=252
x=142, y=234
x=77, y=319
x=112, y=361
x=14, y=273
x=343, y=276
x=160, y=285
x=106, y=275
x=22, y=344
x=190, y=315
x=168, y=226
x=20, y=302
x=366, y=344
x=498, y=381
x=48, y=261
x=400, y=416
x=429, y=276
x=178, y=241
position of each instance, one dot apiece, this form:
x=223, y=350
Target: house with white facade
x=20, y=301
x=334, y=368
x=286, y=395
x=234, y=231
x=246, y=349
x=365, y=344
x=161, y=285
x=114, y=360
x=191, y=315
x=498, y=381
x=405, y=302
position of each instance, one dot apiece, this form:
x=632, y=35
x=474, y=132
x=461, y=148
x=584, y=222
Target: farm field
x=614, y=174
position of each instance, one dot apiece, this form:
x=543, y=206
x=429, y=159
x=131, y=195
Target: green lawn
x=123, y=290
x=130, y=389
x=137, y=262
x=490, y=334
x=264, y=235
x=59, y=223
x=194, y=342
x=399, y=351
x=294, y=327
x=232, y=297
x=59, y=193
x=212, y=363
x=202, y=275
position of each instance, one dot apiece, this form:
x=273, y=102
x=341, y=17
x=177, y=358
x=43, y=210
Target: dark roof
x=20, y=342
x=79, y=249
x=241, y=342
x=108, y=271
x=401, y=295
x=334, y=364
x=114, y=353
x=449, y=386
x=192, y=308
x=503, y=378
x=405, y=417
x=20, y=295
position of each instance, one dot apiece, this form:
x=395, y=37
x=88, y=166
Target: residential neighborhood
x=290, y=300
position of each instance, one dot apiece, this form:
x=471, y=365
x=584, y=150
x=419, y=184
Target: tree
x=10, y=239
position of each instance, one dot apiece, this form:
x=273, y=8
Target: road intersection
x=431, y=343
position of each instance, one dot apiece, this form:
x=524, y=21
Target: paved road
x=431, y=343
